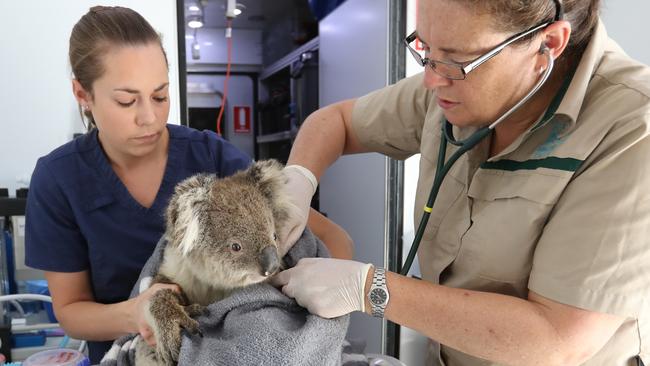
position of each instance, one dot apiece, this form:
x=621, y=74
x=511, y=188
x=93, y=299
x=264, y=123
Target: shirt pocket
x=508, y=213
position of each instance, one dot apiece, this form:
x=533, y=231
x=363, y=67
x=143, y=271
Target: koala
x=221, y=236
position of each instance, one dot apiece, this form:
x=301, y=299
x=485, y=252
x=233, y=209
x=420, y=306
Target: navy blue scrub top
x=80, y=216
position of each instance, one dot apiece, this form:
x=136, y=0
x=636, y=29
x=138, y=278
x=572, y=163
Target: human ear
x=82, y=96
x=555, y=37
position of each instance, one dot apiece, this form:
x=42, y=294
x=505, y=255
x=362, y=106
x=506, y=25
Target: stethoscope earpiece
x=543, y=48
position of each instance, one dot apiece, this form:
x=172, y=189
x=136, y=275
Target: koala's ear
x=268, y=177
x=182, y=215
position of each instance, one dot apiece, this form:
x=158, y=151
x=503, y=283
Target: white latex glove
x=327, y=287
x=300, y=187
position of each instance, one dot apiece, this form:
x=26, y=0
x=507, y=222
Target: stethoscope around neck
x=442, y=167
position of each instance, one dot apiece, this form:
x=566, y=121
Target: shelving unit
x=288, y=93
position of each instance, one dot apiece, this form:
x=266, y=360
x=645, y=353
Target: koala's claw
x=190, y=325
x=171, y=319
x=195, y=310
x=192, y=333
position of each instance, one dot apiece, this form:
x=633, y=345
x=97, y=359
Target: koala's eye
x=275, y=236
x=235, y=246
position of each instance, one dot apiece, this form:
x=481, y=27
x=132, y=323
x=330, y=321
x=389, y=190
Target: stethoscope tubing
x=442, y=167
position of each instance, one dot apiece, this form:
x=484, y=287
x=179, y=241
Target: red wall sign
x=242, y=119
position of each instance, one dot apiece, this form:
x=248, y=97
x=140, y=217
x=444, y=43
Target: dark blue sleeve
x=53, y=241
x=229, y=159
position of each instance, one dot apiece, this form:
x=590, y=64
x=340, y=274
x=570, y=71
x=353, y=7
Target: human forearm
x=97, y=322
x=496, y=327
x=339, y=244
x=335, y=238
x=500, y=328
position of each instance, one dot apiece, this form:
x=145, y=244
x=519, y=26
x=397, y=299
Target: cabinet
x=287, y=94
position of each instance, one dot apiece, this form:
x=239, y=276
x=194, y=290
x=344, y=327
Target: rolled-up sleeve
x=390, y=120
x=594, y=252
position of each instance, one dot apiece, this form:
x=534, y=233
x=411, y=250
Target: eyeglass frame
x=471, y=65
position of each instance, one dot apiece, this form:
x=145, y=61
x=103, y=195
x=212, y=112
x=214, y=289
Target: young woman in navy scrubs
x=96, y=204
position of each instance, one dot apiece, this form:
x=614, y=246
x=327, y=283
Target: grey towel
x=257, y=325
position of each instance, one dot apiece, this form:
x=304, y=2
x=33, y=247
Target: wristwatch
x=378, y=295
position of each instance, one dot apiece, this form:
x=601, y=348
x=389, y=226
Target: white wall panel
x=37, y=110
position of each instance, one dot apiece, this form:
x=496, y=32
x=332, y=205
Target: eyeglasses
x=458, y=71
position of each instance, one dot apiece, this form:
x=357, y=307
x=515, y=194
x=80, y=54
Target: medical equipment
x=442, y=167
x=23, y=328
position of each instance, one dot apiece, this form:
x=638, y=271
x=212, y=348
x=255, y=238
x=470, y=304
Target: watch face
x=378, y=296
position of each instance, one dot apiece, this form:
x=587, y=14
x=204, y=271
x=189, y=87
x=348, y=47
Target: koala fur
x=221, y=236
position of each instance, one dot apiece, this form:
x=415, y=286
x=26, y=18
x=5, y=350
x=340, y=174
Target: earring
x=85, y=107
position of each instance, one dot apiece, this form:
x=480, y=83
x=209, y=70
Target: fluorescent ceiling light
x=195, y=22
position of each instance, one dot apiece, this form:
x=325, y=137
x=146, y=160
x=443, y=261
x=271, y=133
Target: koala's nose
x=269, y=260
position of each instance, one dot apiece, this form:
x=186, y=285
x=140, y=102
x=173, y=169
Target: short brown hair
x=519, y=15
x=98, y=30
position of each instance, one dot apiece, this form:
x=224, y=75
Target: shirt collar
x=571, y=104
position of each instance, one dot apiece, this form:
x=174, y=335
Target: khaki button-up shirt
x=564, y=211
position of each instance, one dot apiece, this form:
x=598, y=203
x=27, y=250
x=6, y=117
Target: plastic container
x=31, y=339
x=57, y=357
x=49, y=309
x=40, y=287
x=35, y=286
x=28, y=287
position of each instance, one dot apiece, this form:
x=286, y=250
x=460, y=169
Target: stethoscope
x=442, y=167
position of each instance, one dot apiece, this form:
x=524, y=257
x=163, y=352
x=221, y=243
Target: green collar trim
x=551, y=162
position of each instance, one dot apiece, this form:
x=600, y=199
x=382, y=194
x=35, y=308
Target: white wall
x=627, y=23
x=37, y=109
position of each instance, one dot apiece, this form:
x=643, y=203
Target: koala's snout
x=269, y=260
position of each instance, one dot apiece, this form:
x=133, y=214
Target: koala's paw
x=168, y=318
x=194, y=310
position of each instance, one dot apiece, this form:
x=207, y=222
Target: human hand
x=325, y=286
x=140, y=310
x=300, y=188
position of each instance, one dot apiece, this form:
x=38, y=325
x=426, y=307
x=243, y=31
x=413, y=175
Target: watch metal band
x=379, y=282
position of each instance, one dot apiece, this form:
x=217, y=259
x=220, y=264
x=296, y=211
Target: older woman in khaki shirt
x=538, y=247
